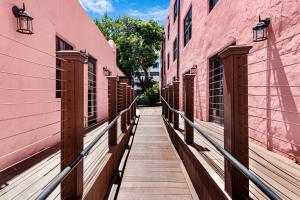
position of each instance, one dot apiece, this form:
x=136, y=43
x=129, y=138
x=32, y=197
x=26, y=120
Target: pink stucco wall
x=232, y=21
x=29, y=110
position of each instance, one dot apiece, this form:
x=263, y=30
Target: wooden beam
x=128, y=104
x=171, y=103
x=236, y=139
x=176, y=103
x=112, y=109
x=123, y=87
x=163, y=103
x=72, y=120
x=167, y=100
x=189, y=107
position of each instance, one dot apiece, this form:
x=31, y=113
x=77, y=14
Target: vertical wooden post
x=167, y=100
x=124, y=106
x=128, y=104
x=176, y=103
x=171, y=92
x=131, y=100
x=162, y=102
x=72, y=121
x=112, y=109
x=236, y=139
x=134, y=108
x=189, y=107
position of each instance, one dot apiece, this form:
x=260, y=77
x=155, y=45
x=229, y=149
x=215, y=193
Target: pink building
x=30, y=103
x=208, y=26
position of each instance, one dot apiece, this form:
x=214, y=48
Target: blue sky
x=143, y=9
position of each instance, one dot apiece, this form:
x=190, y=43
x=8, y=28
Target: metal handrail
x=263, y=187
x=63, y=174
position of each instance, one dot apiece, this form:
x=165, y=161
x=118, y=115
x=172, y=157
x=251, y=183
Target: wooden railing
x=121, y=104
x=236, y=143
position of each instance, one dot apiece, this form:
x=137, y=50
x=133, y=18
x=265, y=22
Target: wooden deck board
x=280, y=173
x=154, y=170
x=29, y=183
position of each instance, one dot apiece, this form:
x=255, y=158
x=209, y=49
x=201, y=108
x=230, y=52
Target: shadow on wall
x=289, y=128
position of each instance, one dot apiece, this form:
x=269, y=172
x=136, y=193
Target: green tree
x=138, y=43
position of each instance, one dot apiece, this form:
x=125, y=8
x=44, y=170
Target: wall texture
x=274, y=86
x=29, y=109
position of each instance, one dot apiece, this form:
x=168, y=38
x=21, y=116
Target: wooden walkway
x=278, y=172
x=153, y=169
x=28, y=184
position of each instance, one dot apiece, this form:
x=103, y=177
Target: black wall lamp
x=193, y=69
x=106, y=71
x=24, y=20
x=260, y=30
x=85, y=54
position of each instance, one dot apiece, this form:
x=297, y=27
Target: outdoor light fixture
x=85, y=54
x=24, y=20
x=260, y=30
x=106, y=71
x=193, y=69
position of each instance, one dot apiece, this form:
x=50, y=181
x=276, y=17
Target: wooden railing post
x=128, y=114
x=135, y=105
x=167, y=100
x=189, y=107
x=236, y=139
x=171, y=92
x=112, y=109
x=162, y=102
x=123, y=87
x=131, y=100
x=176, y=103
x=72, y=121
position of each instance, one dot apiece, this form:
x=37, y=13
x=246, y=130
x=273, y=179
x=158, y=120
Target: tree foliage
x=137, y=41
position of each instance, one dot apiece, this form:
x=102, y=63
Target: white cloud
x=156, y=13
x=97, y=6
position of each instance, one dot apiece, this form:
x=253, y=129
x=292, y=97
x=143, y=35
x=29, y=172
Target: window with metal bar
x=60, y=45
x=212, y=4
x=188, y=27
x=175, y=10
x=92, y=91
x=169, y=30
x=175, y=49
x=216, y=98
x=168, y=60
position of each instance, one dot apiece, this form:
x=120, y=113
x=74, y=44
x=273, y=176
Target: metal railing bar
x=63, y=174
x=276, y=68
x=30, y=145
x=263, y=187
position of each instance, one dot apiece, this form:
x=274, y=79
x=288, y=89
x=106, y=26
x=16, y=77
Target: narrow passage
x=154, y=170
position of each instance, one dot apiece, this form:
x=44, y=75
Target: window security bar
x=63, y=174
x=263, y=187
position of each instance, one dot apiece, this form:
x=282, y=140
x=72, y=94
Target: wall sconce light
x=85, y=54
x=193, y=69
x=24, y=20
x=106, y=71
x=260, y=30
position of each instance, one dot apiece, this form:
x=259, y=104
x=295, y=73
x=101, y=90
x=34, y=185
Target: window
x=169, y=31
x=168, y=60
x=175, y=49
x=188, y=27
x=92, y=91
x=175, y=10
x=216, y=98
x=60, y=45
x=212, y=4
